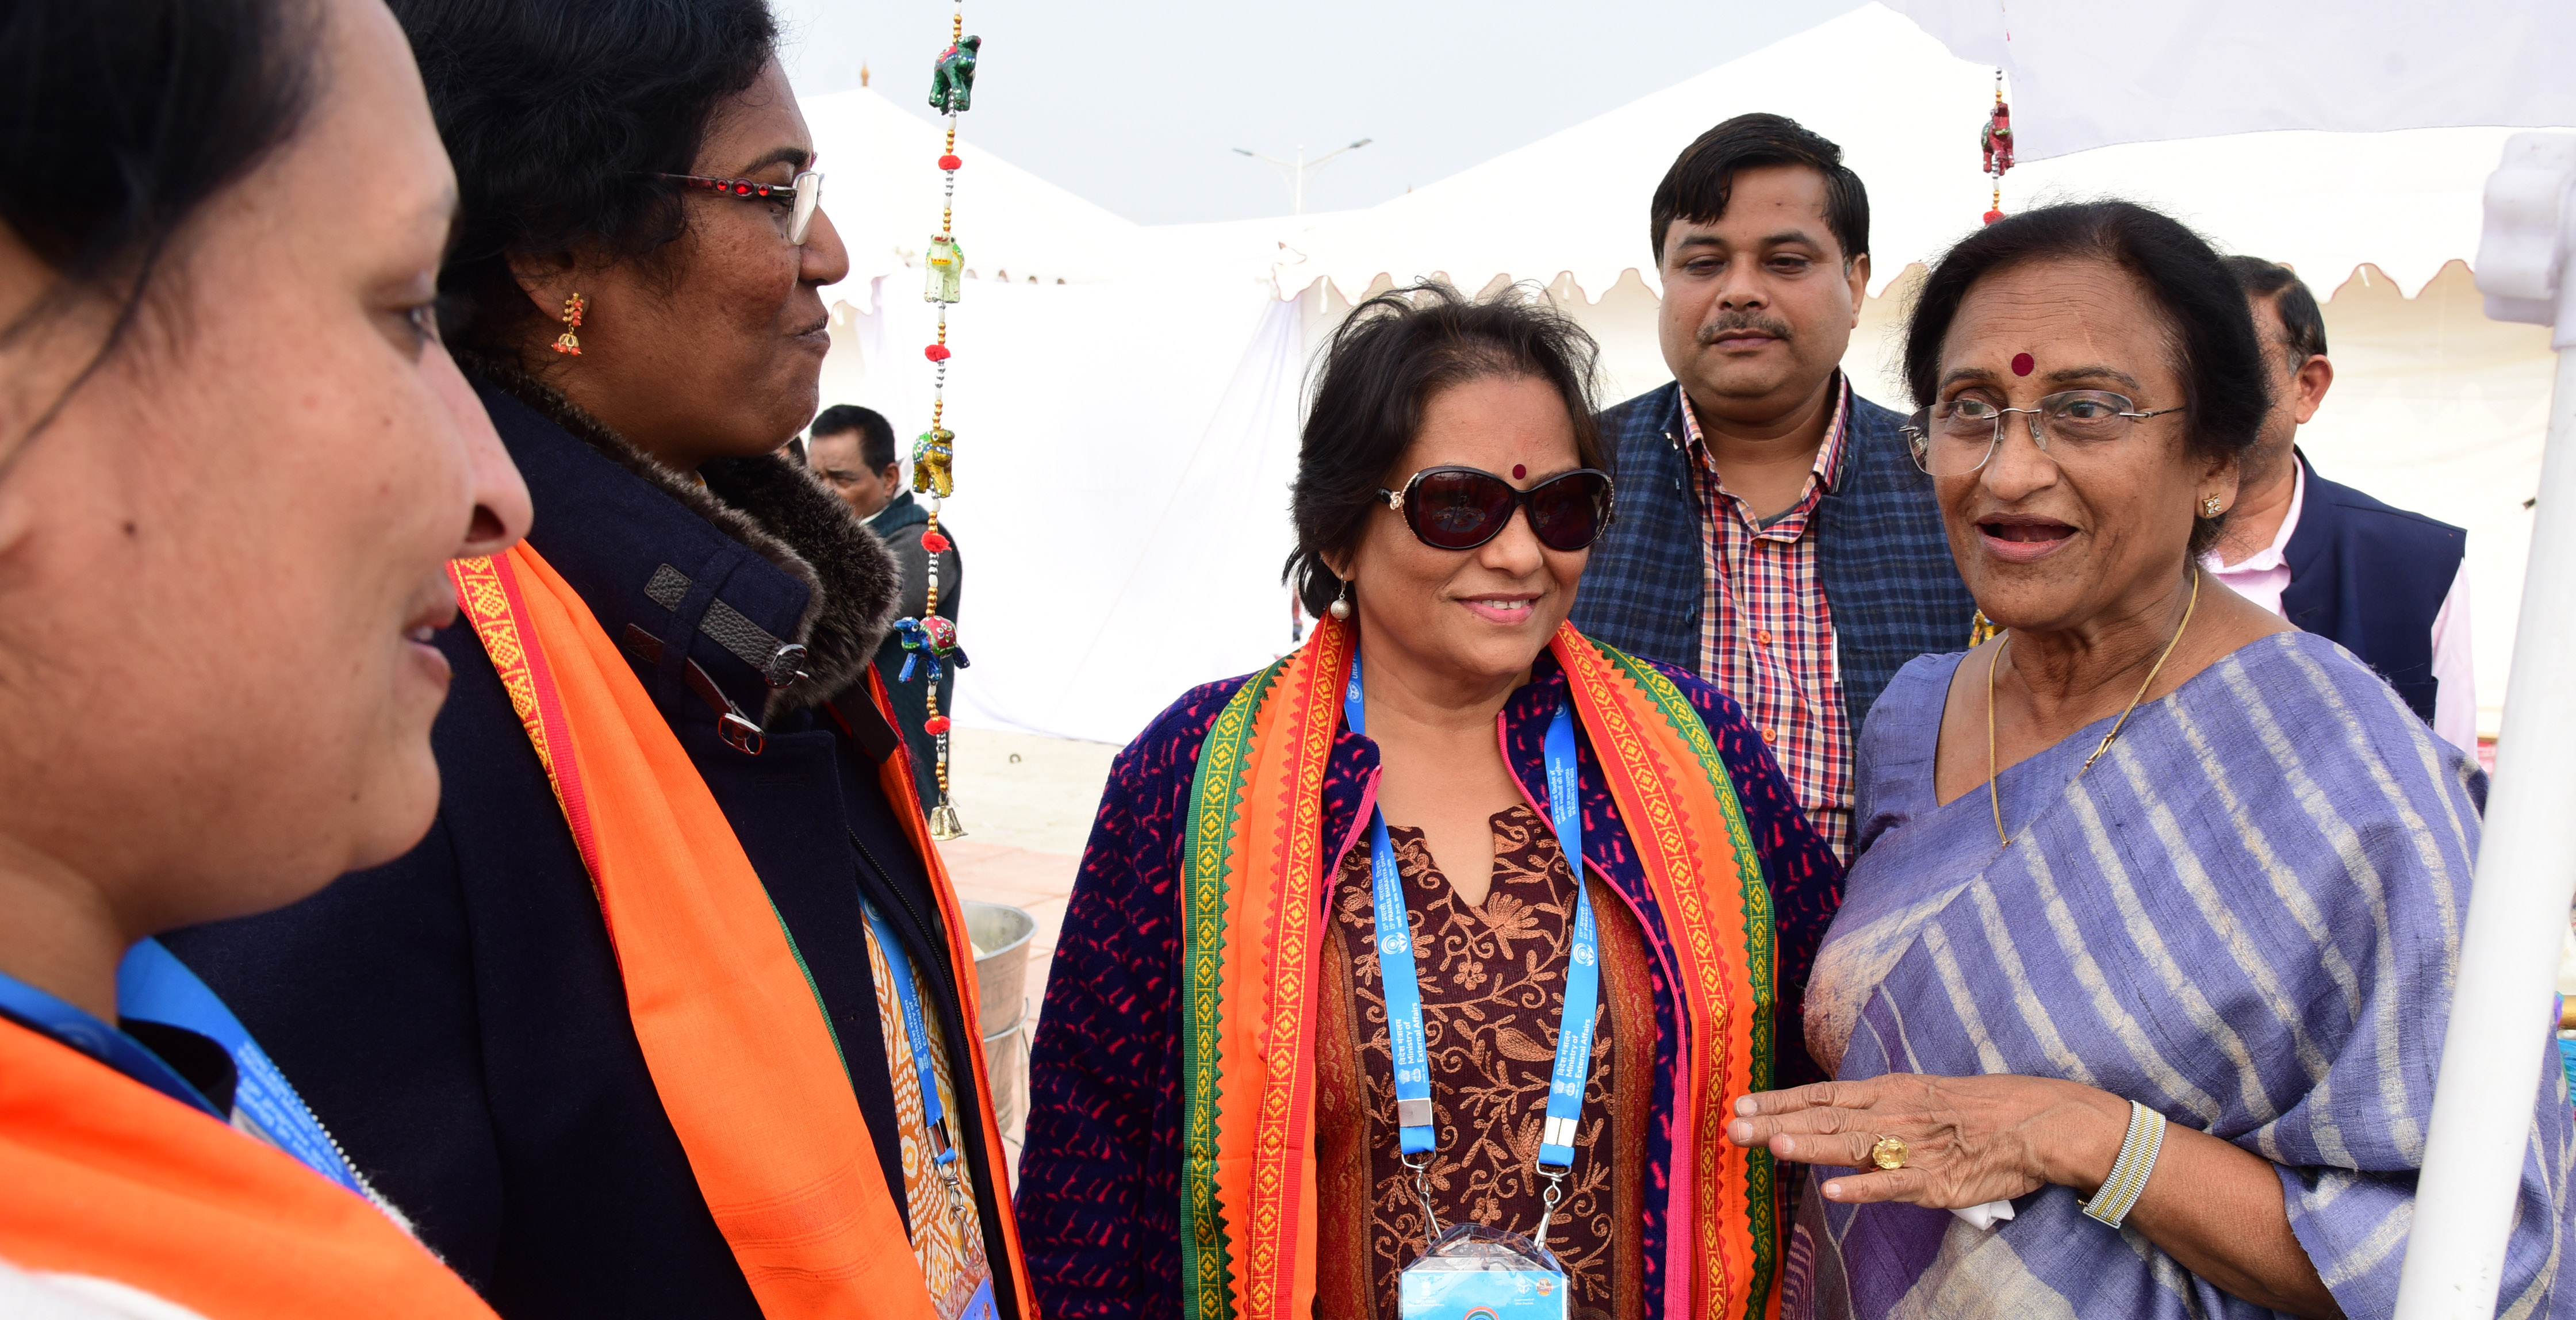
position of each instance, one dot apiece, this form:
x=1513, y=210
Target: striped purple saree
x=2246, y=916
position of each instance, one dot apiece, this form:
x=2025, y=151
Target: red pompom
x=935, y=725
x=1993, y=216
x=935, y=543
x=949, y=162
x=936, y=352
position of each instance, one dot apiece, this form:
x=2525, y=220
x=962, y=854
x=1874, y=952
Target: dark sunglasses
x=1460, y=508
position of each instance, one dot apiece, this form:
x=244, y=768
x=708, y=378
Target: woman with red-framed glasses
x=1333, y=1019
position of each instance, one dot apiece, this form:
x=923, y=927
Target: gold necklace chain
x=1994, y=796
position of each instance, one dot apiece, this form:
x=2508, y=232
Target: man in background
x=1773, y=534
x=2391, y=587
x=852, y=450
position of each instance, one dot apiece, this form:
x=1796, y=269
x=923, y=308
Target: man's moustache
x=1712, y=333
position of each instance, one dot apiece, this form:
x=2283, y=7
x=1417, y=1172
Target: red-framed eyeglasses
x=805, y=193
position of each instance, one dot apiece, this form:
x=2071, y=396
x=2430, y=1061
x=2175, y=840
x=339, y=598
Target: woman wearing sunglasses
x=664, y=1018
x=1359, y=856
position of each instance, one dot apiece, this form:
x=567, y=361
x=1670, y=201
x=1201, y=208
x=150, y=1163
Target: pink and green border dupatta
x=1253, y=909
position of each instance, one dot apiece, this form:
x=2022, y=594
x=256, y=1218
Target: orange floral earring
x=569, y=343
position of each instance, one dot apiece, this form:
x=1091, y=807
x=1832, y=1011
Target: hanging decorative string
x=931, y=638
x=1997, y=140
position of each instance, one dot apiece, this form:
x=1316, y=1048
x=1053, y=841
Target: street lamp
x=1297, y=168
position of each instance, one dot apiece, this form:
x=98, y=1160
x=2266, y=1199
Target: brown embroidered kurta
x=1493, y=992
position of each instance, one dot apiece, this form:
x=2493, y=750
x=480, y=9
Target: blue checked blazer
x=1885, y=565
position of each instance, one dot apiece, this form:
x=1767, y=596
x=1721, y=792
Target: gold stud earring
x=1341, y=606
x=2211, y=508
x=568, y=343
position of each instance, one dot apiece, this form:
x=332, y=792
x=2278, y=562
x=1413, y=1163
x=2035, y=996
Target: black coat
x=457, y=1018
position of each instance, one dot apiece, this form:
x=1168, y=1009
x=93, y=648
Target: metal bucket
x=1001, y=938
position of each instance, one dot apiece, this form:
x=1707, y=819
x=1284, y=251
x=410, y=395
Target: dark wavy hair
x=120, y=119
x=1376, y=378
x=557, y=114
x=2209, y=328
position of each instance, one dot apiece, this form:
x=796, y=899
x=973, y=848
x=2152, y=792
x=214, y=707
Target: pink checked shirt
x=1766, y=637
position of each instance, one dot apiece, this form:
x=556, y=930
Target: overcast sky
x=1135, y=105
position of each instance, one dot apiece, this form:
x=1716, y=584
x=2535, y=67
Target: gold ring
x=1889, y=1153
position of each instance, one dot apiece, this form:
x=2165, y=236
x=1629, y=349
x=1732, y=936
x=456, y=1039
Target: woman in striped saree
x=2157, y=908
x=1216, y=1127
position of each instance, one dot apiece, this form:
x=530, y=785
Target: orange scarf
x=106, y=1177
x=741, y=1054
x=1252, y=911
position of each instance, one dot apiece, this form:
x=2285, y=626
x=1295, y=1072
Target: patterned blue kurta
x=2246, y=917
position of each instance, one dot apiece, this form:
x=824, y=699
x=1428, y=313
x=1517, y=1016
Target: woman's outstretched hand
x=1968, y=1140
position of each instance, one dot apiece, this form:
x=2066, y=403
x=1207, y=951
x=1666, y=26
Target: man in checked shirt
x=1773, y=532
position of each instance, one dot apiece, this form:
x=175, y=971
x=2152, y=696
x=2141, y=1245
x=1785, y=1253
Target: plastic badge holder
x=1477, y=1273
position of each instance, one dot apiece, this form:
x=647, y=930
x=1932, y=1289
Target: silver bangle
x=2138, y=1149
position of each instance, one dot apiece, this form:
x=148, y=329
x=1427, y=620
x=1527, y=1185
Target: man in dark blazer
x=1773, y=533
x=2391, y=586
x=854, y=452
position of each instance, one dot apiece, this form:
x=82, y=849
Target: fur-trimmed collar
x=777, y=510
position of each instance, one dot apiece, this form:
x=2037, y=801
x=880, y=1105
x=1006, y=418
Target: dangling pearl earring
x=1341, y=606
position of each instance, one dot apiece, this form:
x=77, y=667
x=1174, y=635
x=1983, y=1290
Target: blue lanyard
x=77, y=1027
x=153, y=986
x=916, y=1030
x=1405, y=1034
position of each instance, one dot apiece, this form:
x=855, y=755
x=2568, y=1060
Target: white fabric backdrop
x=882, y=184
x=1123, y=458
x=2089, y=74
x=1906, y=113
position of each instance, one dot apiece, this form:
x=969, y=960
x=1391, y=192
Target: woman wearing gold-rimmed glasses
x=2156, y=902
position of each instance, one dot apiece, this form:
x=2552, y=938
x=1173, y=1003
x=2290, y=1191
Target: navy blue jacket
x=456, y=1017
x=1881, y=556
x=900, y=524
x=2373, y=578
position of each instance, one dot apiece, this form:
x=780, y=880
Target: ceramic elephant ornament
x=932, y=452
x=952, y=77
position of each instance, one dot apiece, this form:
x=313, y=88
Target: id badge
x=1477, y=1273
x=980, y=1306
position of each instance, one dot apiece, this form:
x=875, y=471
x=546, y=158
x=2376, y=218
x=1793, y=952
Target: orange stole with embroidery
x=1254, y=881
x=741, y=1053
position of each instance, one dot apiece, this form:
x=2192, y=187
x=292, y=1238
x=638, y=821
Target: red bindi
x=2022, y=364
x=1519, y=470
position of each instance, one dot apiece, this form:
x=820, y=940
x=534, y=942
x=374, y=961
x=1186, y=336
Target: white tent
x=2092, y=74
x=882, y=189
x=1906, y=112
x=1125, y=438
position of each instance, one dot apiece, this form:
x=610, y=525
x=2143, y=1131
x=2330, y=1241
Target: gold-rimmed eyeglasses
x=1956, y=438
